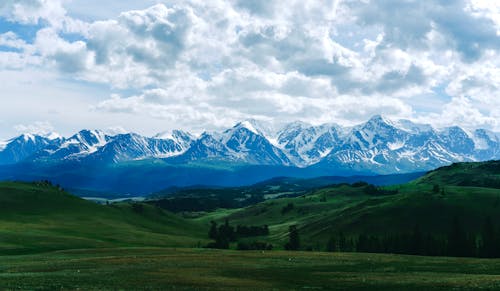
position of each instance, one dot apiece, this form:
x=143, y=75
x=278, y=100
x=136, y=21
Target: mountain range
x=378, y=146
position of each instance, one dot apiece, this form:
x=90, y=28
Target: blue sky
x=151, y=66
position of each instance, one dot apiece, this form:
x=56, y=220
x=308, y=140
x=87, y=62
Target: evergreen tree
x=227, y=232
x=488, y=239
x=342, y=245
x=293, y=239
x=212, y=233
x=417, y=241
x=457, y=240
x=331, y=245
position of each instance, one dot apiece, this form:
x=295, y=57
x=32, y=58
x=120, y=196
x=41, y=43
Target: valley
x=52, y=239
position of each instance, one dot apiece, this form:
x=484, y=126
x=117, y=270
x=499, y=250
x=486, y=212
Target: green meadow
x=50, y=239
x=202, y=269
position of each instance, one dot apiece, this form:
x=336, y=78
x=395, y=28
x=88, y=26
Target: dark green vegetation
x=129, y=245
x=197, y=198
x=485, y=174
x=423, y=217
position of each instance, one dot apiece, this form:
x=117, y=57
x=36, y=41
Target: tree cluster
x=456, y=243
x=246, y=231
x=225, y=234
x=289, y=207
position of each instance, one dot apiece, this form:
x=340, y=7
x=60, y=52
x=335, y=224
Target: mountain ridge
x=378, y=146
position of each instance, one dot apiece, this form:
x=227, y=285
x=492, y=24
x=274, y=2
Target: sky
x=153, y=66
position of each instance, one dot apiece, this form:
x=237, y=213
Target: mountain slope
x=377, y=147
x=242, y=143
x=24, y=146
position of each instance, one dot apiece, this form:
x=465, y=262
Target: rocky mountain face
x=379, y=146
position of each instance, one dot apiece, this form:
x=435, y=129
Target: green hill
x=58, y=235
x=484, y=174
x=364, y=209
x=38, y=217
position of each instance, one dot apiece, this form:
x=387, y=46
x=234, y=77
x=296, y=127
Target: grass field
x=38, y=218
x=188, y=269
x=52, y=240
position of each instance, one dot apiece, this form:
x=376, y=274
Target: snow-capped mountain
x=384, y=146
x=379, y=146
x=22, y=147
x=243, y=143
x=131, y=146
x=305, y=144
x=77, y=146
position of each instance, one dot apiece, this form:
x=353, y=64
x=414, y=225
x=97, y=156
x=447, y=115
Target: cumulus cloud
x=210, y=63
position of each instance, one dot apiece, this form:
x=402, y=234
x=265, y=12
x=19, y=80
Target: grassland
x=188, y=269
x=325, y=212
x=50, y=239
x=36, y=218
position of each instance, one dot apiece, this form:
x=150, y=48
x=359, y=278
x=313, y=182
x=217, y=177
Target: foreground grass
x=187, y=269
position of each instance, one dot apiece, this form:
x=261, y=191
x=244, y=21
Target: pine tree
x=331, y=245
x=342, y=246
x=457, y=240
x=293, y=239
x=488, y=236
x=212, y=233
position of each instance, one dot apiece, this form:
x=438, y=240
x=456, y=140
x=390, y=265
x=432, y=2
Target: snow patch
x=395, y=145
x=3, y=145
x=248, y=125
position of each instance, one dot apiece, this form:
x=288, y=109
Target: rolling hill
x=37, y=217
x=364, y=209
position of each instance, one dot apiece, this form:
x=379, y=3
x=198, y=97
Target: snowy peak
x=20, y=148
x=243, y=143
x=306, y=144
x=379, y=145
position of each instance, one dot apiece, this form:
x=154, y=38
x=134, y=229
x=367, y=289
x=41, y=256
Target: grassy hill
x=38, y=217
x=483, y=174
x=362, y=209
x=205, y=198
x=50, y=239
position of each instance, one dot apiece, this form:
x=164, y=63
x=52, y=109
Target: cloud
x=461, y=110
x=210, y=63
x=38, y=127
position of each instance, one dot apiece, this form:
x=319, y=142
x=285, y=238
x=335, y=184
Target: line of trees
x=225, y=234
x=457, y=242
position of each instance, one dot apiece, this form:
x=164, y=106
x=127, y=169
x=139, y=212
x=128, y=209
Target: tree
x=331, y=245
x=227, y=232
x=435, y=188
x=212, y=233
x=488, y=237
x=342, y=247
x=417, y=241
x=458, y=242
x=293, y=243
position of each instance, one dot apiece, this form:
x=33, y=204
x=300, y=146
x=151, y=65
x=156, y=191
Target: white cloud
x=210, y=63
x=38, y=127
